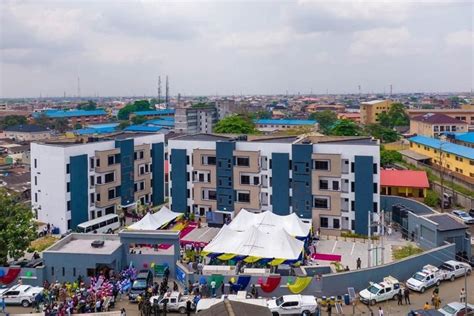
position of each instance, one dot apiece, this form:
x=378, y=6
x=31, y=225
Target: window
x=36, y=180
x=321, y=164
x=91, y=180
x=111, y=160
x=52, y=270
x=64, y=271
x=36, y=197
x=74, y=272
x=243, y=197
x=324, y=222
x=352, y=167
x=376, y=207
x=36, y=163
x=91, y=163
x=110, y=210
x=112, y=193
x=256, y=180
x=67, y=168
x=208, y=160
x=244, y=179
x=91, y=197
x=323, y=185
x=68, y=187
x=109, y=177
x=352, y=186
x=321, y=202
x=99, y=180
x=97, y=163
x=243, y=161
x=97, y=198
x=336, y=223
x=375, y=188
x=335, y=185
x=68, y=205
x=376, y=168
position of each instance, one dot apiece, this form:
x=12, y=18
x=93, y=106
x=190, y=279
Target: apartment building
x=74, y=117
x=75, y=182
x=192, y=120
x=331, y=181
x=436, y=124
x=370, y=111
x=154, y=114
x=26, y=132
x=465, y=114
x=271, y=125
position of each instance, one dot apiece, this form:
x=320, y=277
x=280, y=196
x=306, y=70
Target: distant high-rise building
x=191, y=119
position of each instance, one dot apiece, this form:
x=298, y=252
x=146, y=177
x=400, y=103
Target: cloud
x=382, y=41
x=460, y=39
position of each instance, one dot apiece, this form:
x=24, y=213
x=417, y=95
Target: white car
x=453, y=269
x=456, y=309
x=464, y=216
x=20, y=294
x=379, y=292
x=175, y=302
x=293, y=304
x=427, y=277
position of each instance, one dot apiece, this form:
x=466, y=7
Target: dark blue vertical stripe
x=126, y=170
x=158, y=173
x=364, y=192
x=178, y=180
x=301, y=184
x=224, y=172
x=78, y=188
x=281, y=183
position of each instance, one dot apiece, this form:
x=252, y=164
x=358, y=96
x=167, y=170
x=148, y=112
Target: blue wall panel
x=158, y=173
x=79, y=190
x=224, y=173
x=364, y=192
x=281, y=183
x=302, y=195
x=126, y=170
x=178, y=180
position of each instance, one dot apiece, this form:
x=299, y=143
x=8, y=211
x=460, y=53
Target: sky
x=119, y=48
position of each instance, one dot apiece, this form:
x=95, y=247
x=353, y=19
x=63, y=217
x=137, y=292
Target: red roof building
x=407, y=183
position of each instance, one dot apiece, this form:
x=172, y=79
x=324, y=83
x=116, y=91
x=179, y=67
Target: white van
x=104, y=224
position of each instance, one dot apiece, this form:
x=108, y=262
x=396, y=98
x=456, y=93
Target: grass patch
x=42, y=243
x=405, y=251
x=354, y=235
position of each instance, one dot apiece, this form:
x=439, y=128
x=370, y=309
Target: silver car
x=20, y=295
x=456, y=308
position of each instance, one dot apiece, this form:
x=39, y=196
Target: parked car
x=23, y=295
x=175, y=302
x=464, y=216
x=427, y=277
x=293, y=304
x=378, y=292
x=471, y=212
x=457, y=309
x=453, y=269
x=140, y=284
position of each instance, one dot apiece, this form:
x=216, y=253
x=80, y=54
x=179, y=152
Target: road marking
x=334, y=247
x=353, y=246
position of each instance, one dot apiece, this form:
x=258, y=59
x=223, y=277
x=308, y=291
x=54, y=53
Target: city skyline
x=234, y=48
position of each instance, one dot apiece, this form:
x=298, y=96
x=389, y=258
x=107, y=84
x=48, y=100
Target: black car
x=143, y=281
x=471, y=212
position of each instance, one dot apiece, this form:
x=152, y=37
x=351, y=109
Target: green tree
x=431, y=198
x=11, y=120
x=395, y=116
x=385, y=134
x=137, y=106
x=326, y=120
x=77, y=126
x=87, y=106
x=17, y=227
x=262, y=115
x=60, y=124
x=235, y=124
x=123, y=124
x=139, y=120
x=388, y=157
x=345, y=128
x=43, y=120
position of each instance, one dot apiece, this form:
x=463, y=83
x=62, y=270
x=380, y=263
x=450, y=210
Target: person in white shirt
x=380, y=311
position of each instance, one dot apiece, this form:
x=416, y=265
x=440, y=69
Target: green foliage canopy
x=235, y=124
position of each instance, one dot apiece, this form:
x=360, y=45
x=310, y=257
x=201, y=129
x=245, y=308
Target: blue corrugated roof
x=105, y=125
x=285, y=122
x=70, y=113
x=142, y=128
x=168, y=123
x=91, y=131
x=448, y=147
x=155, y=112
x=465, y=137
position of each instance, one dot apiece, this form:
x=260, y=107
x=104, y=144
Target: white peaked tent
x=156, y=220
x=269, y=222
x=254, y=242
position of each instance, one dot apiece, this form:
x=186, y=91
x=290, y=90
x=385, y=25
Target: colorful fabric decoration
x=276, y=262
x=300, y=284
x=226, y=256
x=251, y=259
x=273, y=281
x=241, y=284
x=11, y=275
x=218, y=278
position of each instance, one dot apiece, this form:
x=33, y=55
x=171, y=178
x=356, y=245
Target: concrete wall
x=388, y=201
x=36, y=279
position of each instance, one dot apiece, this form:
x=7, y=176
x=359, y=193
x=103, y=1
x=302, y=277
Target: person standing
x=427, y=306
x=406, y=294
x=359, y=263
x=462, y=296
x=188, y=307
x=3, y=305
x=329, y=309
x=213, y=288
x=400, y=297
x=380, y=311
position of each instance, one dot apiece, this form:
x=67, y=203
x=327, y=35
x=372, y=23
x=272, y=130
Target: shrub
x=406, y=251
x=431, y=198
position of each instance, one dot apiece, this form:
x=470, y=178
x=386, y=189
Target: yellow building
x=406, y=183
x=370, y=111
x=436, y=124
x=454, y=158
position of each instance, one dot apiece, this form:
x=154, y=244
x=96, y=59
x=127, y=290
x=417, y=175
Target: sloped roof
x=445, y=146
x=26, y=128
x=437, y=118
x=404, y=178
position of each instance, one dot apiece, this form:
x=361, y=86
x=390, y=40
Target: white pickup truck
x=293, y=304
x=175, y=302
x=241, y=296
x=453, y=269
x=378, y=292
x=427, y=277
x=23, y=295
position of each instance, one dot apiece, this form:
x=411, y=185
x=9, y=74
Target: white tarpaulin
x=156, y=220
x=268, y=221
x=256, y=243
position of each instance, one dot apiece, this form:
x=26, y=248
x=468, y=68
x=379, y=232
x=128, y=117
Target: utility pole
x=159, y=89
x=78, y=87
x=382, y=234
x=369, y=242
x=167, y=92
x=465, y=288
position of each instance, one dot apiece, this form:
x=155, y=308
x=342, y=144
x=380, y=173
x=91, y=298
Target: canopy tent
x=156, y=220
x=255, y=243
x=268, y=221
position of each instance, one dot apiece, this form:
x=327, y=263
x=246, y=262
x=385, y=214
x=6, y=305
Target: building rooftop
x=284, y=122
x=404, y=178
x=155, y=112
x=143, y=128
x=81, y=244
x=465, y=137
x=70, y=113
x=448, y=147
x=437, y=118
x=372, y=102
x=26, y=128
x=446, y=222
x=203, y=137
x=161, y=122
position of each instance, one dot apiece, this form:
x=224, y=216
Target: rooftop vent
x=97, y=244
